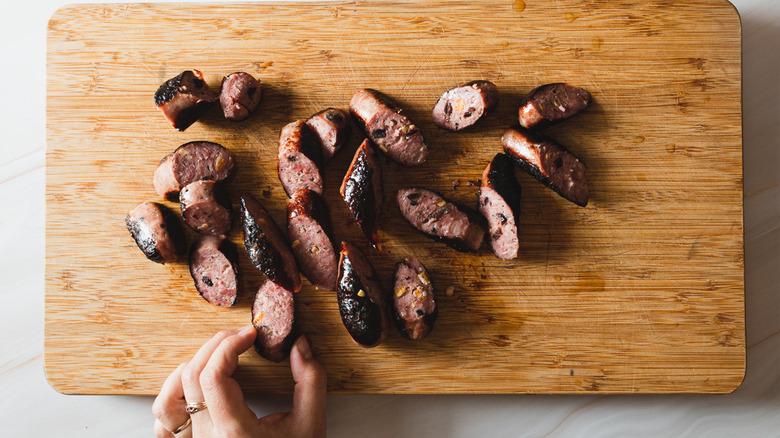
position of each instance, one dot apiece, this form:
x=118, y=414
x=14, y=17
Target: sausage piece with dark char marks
x=205, y=207
x=266, y=247
x=387, y=126
x=333, y=127
x=548, y=162
x=157, y=232
x=362, y=191
x=183, y=98
x=459, y=227
x=239, y=95
x=414, y=305
x=362, y=303
x=499, y=203
x=214, y=269
x=551, y=103
x=273, y=315
x=300, y=158
x=193, y=161
x=462, y=106
x=308, y=226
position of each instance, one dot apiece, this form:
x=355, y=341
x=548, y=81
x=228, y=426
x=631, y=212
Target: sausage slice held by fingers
x=462, y=106
x=551, y=103
x=308, y=226
x=183, y=98
x=548, y=162
x=266, y=247
x=190, y=162
x=387, y=126
x=205, y=207
x=157, y=232
x=362, y=304
x=459, y=227
x=239, y=95
x=414, y=305
x=214, y=269
x=333, y=127
x=273, y=315
x=299, y=158
x=362, y=191
x=499, y=203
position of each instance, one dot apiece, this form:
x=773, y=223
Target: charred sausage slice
x=193, y=161
x=273, y=315
x=440, y=219
x=548, y=162
x=388, y=127
x=551, y=103
x=183, y=98
x=414, y=306
x=156, y=232
x=362, y=191
x=239, y=95
x=333, y=127
x=205, y=207
x=308, y=226
x=462, y=106
x=499, y=203
x=266, y=247
x=300, y=158
x=362, y=304
x=214, y=268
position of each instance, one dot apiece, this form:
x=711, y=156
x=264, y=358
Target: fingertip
x=302, y=347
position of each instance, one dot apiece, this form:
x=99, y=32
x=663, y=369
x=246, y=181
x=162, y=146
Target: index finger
x=221, y=392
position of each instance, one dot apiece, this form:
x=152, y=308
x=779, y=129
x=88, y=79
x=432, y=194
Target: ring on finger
x=185, y=425
x=193, y=407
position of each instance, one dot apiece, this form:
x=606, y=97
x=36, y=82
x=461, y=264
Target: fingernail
x=246, y=329
x=303, y=347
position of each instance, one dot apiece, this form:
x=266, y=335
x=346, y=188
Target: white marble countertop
x=30, y=408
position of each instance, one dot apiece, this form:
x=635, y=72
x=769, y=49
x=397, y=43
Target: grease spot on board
x=519, y=6
x=591, y=282
x=671, y=147
x=597, y=42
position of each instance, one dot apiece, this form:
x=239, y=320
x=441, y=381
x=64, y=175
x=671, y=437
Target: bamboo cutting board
x=641, y=291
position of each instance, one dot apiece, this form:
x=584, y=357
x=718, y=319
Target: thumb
x=309, y=395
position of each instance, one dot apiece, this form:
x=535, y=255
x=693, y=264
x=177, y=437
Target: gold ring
x=191, y=408
x=183, y=426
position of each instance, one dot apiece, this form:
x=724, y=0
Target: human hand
x=208, y=378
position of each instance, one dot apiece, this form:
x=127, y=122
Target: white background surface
x=30, y=408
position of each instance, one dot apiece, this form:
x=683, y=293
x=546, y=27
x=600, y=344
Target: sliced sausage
x=458, y=226
x=193, y=161
x=362, y=303
x=388, y=127
x=183, y=98
x=300, y=158
x=214, y=268
x=333, y=127
x=362, y=190
x=273, y=315
x=267, y=249
x=414, y=306
x=308, y=226
x=461, y=107
x=239, y=95
x=205, y=207
x=548, y=162
x=156, y=232
x=551, y=103
x=499, y=203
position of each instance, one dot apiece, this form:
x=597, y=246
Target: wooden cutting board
x=641, y=291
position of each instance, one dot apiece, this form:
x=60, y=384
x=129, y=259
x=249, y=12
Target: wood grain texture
x=641, y=291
